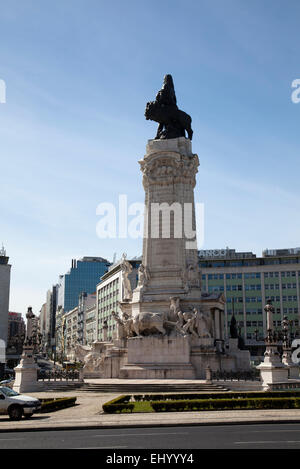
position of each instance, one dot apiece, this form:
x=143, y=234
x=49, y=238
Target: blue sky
x=78, y=74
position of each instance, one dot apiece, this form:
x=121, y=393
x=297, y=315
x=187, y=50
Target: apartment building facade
x=249, y=281
x=111, y=291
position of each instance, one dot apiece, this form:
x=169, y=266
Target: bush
x=198, y=402
x=118, y=405
x=218, y=395
x=226, y=404
x=51, y=405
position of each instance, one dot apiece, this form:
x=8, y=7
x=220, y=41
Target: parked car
x=7, y=382
x=16, y=405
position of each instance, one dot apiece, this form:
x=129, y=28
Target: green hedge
x=218, y=401
x=227, y=404
x=218, y=395
x=51, y=405
x=118, y=405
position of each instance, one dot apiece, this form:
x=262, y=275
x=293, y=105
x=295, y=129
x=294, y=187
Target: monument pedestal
x=272, y=370
x=158, y=357
x=293, y=368
x=178, y=330
x=26, y=373
x=242, y=357
x=170, y=256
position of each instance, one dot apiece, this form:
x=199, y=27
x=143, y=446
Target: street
x=258, y=436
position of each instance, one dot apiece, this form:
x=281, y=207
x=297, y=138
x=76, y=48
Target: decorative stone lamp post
x=272, y=370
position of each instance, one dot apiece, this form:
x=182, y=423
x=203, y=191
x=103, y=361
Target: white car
x=16, y=405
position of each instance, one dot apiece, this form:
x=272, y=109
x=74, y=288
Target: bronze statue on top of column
x=173, y=122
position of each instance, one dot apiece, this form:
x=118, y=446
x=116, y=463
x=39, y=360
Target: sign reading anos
x=213, y=252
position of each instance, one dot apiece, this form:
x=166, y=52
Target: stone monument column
x=169, y=317
x=170, y=258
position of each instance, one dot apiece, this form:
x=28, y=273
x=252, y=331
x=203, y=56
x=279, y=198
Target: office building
x=83, y=276
x=85, y=302
x=90, y=325
x=15, y=338
x=70, y=332
x=111, y=291
x=249, y=281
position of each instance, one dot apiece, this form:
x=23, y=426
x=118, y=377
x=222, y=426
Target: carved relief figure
x=124, y=325
x=92, y=361
x=120, y=325
x=202, y=325
x=148, y=324
x=144, y=276
x=126, y=269
x=193, y=275
x=174, y=308
x=195, y=323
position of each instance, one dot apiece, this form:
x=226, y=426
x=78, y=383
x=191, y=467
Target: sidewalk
x=89, y=414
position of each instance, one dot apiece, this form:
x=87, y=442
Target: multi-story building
x=82, y=277
x=49, y=315
x=77, y=326
x=85, y=302
x=4, y=303
x=111, y=291
x=249, y=281
x=47, y=320
x=90, y=325
x=71, y=326
x=16, y=326
x=15, y=338
x=53, y=308
x=42, y=327
x=60, y=326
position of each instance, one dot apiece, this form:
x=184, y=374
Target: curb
x=149, y=425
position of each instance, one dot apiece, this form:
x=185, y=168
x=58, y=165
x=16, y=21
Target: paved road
x=268, y=436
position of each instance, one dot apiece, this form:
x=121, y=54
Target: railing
x=284, y=386
x=58, y=375
x=236, y=375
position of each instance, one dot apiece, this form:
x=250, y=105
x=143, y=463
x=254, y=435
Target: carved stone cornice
x=168, y=168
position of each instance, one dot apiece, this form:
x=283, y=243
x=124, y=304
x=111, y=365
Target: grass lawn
x=142, y=406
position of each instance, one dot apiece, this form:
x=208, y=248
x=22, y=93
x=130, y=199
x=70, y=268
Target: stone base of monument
x=103, y=359
x=26, y=373
x=271, y=374
x=272, y=370
x=154, y=371
x=242, y=357
x=26, y=380
x=158, y=357
x=293, y=371
x=293, y=368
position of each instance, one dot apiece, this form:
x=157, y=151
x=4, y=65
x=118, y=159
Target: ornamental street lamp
x=272, y=370
x=287, y=348
x=285, y=323
x=269, y=310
